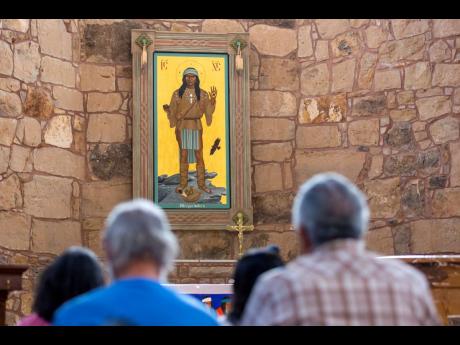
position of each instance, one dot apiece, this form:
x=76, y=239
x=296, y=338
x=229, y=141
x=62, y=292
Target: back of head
x=248, y=269
x=73, y=273
x=137, y=231
x=329, y=207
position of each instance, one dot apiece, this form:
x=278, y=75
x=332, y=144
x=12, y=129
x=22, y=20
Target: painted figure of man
x=188, y=105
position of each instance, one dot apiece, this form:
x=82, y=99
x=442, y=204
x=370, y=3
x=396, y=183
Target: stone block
x=272, y=129
x=107, y=42
x=444, y=130
x=380, y=241
x=98, y=198
x=400, y=135
x=68, y=99
x=369, y=105
x=38, y=103
x=211, y=245
x=446, y=75
x=387, y=79
x=348, y=43
x=435, y=236
x=375, y=36
x=125, y=84
x=10, y=104
x=56, y=71
x=9, y=84
x=7, y=130
x=329, y=28
x=305, y=46
x=446, y=27
x=48, y=197
x=432, y=107
x=268, y=177
x=279, y=74
x=97, y=78
x=323, y=109
x=321, y=50
x=54, y=39
x=445, y=203
x=367, y=70
x=345, y=162
x=376, y=167
x=221, y=26
x=263, y=36
x=277, y=152
x=440, y=51
x=403, y=28
x=417, y=76
x=109, y=160
x=6, y=57
x=14, y=230
x=55, y=236
x=318, y=137
x=413, y=199
x=21, y=25
x=273, y=103
x=59, y=131
x=103, y=102
x=383, y=197
x=287, y=241
x=343, y=76
x=4, y=159
x=60, y=162
x=273, y=207
x=10, y=193
x=403, y=164
x=408, y=48
x=454, y=149
x=364, y=132
x=405, y=97
x=94, y=242
x=106, y=128
x=21, y=159
x=314, y=80
x=403, y=114
x=29, y=131
x=26, y=61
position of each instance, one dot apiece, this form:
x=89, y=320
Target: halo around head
x=190, y=64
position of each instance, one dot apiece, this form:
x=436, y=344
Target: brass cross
x=240, y=228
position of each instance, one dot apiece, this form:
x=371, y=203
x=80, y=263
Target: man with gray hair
x=140, y=248
x=336, y=281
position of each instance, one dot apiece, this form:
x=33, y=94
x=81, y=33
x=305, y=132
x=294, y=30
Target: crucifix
x=240, y=228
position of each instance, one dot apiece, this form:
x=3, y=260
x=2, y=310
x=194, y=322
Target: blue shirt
x=134, y=302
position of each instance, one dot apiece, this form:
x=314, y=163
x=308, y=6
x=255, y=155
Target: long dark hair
x=184, y=85
x=248, y=269
x=73, y=273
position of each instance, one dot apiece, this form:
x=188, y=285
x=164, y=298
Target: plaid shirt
x=341, y=283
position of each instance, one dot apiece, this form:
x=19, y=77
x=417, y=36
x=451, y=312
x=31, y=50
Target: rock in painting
x=323, y=109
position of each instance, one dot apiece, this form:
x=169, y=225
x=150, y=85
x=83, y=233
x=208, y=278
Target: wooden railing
x=443, y=273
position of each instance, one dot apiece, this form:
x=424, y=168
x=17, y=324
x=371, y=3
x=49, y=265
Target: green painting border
x=227, y=136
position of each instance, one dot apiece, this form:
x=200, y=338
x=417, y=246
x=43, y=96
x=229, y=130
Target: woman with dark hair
x=73, y=273
x=253, y=264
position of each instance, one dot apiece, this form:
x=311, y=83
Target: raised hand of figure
x=213, y=94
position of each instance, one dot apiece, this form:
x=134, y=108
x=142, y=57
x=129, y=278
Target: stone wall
x=376, y=100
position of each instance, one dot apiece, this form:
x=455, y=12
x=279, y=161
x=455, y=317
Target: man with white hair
x=336, y=281
x=140, y=248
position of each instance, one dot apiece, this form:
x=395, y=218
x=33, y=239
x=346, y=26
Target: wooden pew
x=443, y=273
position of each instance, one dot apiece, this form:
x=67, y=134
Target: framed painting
x=191, y=146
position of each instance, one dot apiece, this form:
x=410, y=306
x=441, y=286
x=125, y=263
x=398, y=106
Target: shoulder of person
x=204, y=94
